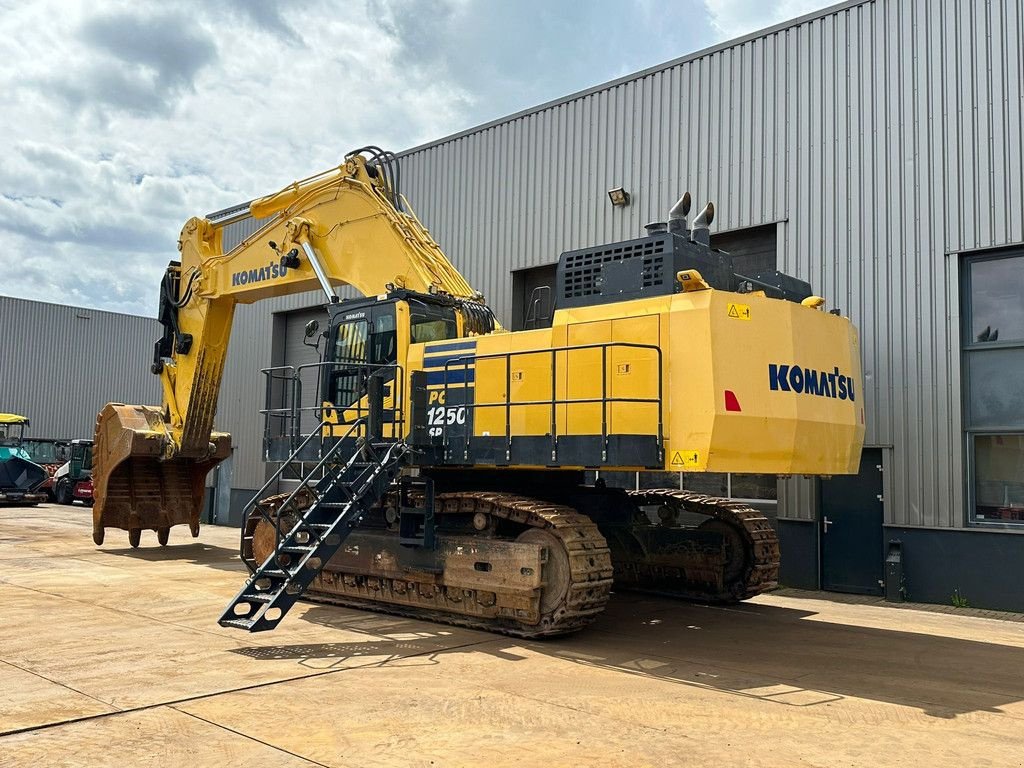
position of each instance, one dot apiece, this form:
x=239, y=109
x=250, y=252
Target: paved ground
x=113, y=657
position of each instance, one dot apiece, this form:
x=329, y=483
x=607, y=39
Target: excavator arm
x=347, y=226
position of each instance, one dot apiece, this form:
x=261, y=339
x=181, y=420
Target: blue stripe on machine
x=463, y=345
x=457, y=361
x=455, y=376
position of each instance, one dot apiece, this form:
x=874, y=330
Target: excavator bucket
x=135, y=486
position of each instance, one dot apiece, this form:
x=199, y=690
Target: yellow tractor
x=437, y=467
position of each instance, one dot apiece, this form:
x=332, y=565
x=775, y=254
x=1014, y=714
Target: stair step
x=260, y=597
x=275, y=573
x=298, y=548
x=356, y=485
x=240, y=623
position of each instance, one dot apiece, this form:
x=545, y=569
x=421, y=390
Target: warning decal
x=685, y=459
x=738, y=311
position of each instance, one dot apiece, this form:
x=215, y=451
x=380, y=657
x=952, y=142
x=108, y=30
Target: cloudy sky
x=123, y=119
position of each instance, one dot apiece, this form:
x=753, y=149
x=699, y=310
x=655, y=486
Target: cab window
x=357, y=342
x=431, y=323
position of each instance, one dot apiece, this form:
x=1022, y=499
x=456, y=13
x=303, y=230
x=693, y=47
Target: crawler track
x=752, y=552
x=576, y=579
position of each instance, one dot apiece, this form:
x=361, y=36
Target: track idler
x=136, y=487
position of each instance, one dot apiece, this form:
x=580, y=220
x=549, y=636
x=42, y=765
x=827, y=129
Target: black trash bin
x=894, y=572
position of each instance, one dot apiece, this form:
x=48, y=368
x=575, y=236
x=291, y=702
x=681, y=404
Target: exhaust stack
x=677, y=215
x=701, y=232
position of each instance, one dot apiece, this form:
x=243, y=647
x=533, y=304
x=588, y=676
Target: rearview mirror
x=311, y=328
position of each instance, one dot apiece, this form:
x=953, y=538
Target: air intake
x=620, y=269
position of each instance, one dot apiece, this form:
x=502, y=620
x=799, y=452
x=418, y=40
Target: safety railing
x=461, y=365
x=278, y=421
x=286, y=408
x=337, y=429
x=304, y=479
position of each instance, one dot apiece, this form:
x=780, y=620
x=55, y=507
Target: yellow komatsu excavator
x=437, y=467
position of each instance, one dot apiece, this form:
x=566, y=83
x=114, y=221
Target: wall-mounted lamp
x=619, y=197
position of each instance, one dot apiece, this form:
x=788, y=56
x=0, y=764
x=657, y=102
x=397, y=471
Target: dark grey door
x=533, y=297
x=297, y=353
x=851, y=528
x=753, y=250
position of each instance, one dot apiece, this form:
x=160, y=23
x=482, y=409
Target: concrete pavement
x=112, y=656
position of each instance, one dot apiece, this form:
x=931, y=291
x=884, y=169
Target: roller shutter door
x=296, y=354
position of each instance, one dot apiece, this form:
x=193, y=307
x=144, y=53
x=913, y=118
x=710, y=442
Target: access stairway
x=328, y=503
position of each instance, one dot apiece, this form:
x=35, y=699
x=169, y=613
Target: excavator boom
x=346, y=226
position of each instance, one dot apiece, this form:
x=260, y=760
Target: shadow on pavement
x=779, y=655
x=193, y=552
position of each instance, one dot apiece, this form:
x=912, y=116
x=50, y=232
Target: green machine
x=73, y=480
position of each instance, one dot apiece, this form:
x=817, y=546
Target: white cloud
x=735, y=18
x=134, y=117
x=123, y=119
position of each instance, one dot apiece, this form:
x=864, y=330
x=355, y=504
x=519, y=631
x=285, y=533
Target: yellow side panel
x=491, y=376
x=526, y=375
x=531, y=382
x=603, y=376
x=581, y=378
x=633, y=375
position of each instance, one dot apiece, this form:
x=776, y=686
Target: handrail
x=319, y=466
x=371, y=369
x=287, y=413
x=464, y=362
x=291, y=413
x=277, y=475
x=290, y=377
x=254, y=501
x=301, y=483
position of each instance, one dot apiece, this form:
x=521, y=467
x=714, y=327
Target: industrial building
x=60, y=364
x=872, y=149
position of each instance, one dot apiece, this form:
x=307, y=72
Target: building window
x=993, y=371
x=999, y=478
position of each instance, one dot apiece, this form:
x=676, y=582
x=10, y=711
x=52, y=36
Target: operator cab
x=367, y=339
x=12, y=430
x=373, y=335
x=81, y=458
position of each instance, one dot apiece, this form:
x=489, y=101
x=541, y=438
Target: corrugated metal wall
x=252, y=347
x=59, y=365
x=882, y=136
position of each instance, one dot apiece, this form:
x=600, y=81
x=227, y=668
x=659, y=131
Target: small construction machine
x=22, y=481
x=73, y=480
x=50, y=455
x=434, y=465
